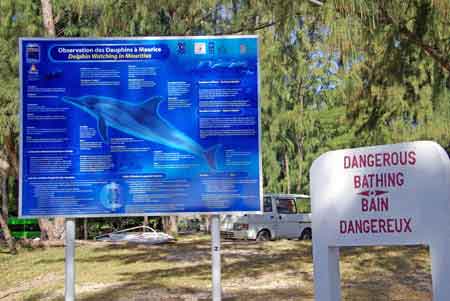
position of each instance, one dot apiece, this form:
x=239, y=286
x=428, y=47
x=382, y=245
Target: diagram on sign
x=111, y=196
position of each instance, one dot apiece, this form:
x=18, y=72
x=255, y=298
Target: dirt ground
x=279, y=270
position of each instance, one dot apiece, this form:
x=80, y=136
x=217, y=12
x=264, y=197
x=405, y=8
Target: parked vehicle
x=24, y=227
x=284, y=216
x=146, y=235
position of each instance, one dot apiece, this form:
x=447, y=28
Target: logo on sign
x=211, y=48
x=33, y=53
x=181, y=48
x=33, y=69
x=222, y=50
x=200, y=48
x=243, y=48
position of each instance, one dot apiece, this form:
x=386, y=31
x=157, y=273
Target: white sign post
x=69, y=291
x=384, y=195
x=216, y=265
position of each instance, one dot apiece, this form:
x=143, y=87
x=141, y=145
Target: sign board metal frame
x=127, y=40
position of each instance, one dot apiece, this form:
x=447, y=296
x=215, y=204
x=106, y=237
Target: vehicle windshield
x=303, y=205
x=286, y=206
x=267, y=204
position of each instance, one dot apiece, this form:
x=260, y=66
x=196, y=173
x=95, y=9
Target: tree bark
x=5, y=209
x=44, y=225
x=47, y=17
x=5, y=170
x=170, y=225
x=174, y=225
x=7, y=234
x=145, y=223
x=165, y=223
x=286, y=171
x=85, y=228
x=11, y=155
x=56, y=229
x=300, y=155
x=206, y=221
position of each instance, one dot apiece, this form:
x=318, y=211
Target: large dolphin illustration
x=139, y=120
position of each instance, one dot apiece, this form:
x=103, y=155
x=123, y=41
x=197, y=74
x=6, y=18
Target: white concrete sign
x=383, y=195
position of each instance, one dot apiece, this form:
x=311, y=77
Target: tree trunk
x=165, y=223
x=85, y=228
x=10, y=151
x=5, y=170
x=300, y=175
x=5, y=209
x=300, y=164
x=47, y=17
x=56, y=229
x=174, y=225
x=170, y=225
x=286, y=171
x=7, y=234
x=206, y=221
x=145, y=223
x=44, y=225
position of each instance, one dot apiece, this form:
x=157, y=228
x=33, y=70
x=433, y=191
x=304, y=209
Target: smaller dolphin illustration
x=55, y=74
x=142, y=121
x=223, y=66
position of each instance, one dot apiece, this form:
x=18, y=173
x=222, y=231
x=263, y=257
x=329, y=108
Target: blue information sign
x=139, y=126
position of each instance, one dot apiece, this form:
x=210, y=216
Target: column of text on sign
x=373, y=188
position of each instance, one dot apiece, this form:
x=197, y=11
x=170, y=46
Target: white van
x=284, y=216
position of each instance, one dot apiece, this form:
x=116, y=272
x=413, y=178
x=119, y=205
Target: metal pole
x=216, y=277
x=70, y=260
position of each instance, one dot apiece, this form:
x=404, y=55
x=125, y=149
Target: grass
x=280, y=270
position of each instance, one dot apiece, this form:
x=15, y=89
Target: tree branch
x=431, y=51
x=259, y=27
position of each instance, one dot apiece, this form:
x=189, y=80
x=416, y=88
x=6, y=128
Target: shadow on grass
x=36, y=297
x=399, y=266
x=184, y=293
x=184, y=251
x=240, y=260
x=160, y=292
x=248, y=264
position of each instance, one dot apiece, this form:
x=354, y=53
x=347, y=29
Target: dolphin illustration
x=139, y=120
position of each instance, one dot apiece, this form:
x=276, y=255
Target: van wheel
x=263, y=235
x=306, y=234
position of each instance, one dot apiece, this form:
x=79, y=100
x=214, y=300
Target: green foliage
x=400, y=65
x=301, y=115
x=17, y=19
